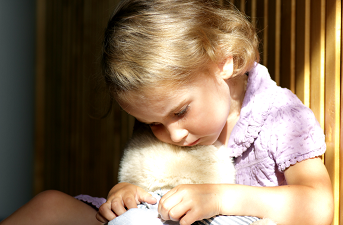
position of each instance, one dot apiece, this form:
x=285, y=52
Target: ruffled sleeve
x=296, y=133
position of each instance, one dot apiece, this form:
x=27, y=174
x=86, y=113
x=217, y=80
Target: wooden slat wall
x=301, y=44
x=302, y=47
x=75, y=153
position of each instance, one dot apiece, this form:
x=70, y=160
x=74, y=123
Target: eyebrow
x=177, y=108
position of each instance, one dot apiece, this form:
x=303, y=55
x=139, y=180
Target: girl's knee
x=50, y=200
x=50, y=195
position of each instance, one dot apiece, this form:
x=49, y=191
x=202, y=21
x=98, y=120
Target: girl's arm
x=307, y=199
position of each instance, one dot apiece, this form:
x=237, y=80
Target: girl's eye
x=182, y=112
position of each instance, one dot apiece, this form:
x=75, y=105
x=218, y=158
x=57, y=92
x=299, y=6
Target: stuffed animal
x=157, y=166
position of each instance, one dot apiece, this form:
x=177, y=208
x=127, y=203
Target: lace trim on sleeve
x=297, y=157
x=97, y=202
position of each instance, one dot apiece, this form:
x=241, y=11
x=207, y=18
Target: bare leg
x=53, y=208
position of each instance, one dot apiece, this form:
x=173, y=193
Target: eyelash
x=178, y=114
x=182, y=112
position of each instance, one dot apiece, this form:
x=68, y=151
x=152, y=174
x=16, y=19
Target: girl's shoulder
x=271, y=111
x=263, y=96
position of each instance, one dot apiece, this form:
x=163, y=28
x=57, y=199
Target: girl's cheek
x=161, y=134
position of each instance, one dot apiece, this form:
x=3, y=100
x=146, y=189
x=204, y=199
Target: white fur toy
x=154, y=165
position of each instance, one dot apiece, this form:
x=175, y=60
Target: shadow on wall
x=17, y=76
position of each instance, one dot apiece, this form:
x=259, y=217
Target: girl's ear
x=226, y=68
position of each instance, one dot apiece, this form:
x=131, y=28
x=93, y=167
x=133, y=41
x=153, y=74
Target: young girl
x=189, y=69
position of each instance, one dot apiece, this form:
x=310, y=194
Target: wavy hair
x=149, y=43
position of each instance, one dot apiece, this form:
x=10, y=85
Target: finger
x=189, y=218
x=105, y=212
x=178, y=211
x=130, y=202
x=100, y=218
x=165, y=206
x=117, y=206
x=148, y=198
x=167, y=195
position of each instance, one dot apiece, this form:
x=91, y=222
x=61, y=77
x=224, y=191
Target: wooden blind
x=301, y=45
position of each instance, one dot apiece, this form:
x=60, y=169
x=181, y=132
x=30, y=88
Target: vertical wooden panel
x=332, y=96
x=287, y=45
x=302, y=81
x=242, y=5
x=261, y=25
x=253, y=12
x=250, y=7
x=75, y=151
x=341, y=133
x=52, y=94
x=293, y=46
x=317, y=46
x=271, y=38
x=40, y=98
x=277, y=46
x=265, y=34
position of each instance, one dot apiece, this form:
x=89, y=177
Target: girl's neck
x=237, y=87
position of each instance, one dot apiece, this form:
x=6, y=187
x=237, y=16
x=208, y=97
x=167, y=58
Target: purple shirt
x=275, y=130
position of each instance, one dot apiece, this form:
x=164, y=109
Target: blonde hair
x=150, y=43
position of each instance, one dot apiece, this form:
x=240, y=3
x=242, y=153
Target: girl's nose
x=177, y=134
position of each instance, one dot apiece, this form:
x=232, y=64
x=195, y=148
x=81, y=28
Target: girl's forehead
x=157, y=104
x=160, y=93
x=157, y=95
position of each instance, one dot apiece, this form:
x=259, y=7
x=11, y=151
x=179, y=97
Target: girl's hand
x=190, y=203
x=122, y=197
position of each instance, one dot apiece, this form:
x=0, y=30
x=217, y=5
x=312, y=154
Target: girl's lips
x=194, y=143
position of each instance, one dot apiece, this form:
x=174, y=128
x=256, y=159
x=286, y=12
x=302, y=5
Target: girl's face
x=194, y=114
